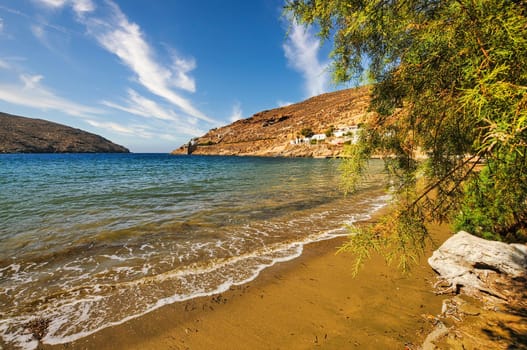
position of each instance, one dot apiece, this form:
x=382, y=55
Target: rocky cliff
x=269, y=133
x=27, y=135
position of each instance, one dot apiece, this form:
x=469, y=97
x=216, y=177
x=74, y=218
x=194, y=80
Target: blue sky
x=151, y=74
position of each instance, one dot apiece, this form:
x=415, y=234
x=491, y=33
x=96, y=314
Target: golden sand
x=310, y=302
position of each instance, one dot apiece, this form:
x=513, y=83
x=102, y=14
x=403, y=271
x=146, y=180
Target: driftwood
x=494, y=276
x=470, y=264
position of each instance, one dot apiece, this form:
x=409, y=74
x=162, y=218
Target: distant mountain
x=271, y=132
x=27, y=135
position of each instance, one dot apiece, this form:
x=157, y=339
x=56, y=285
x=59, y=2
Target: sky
x=152, y=74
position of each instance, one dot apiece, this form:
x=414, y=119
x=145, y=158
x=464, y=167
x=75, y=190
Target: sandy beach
x=310, y=302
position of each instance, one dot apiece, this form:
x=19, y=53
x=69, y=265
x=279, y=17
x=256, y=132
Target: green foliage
x=403, y=246
x=450, y=94
x=494, y=204
x=329, y=131
x=307, y=132
x=354, y=165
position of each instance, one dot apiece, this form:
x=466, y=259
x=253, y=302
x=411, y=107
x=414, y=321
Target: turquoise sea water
x=89, y=241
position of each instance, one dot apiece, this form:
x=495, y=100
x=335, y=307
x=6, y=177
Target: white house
x=345, y=134
x=345, y=130
x=318, y=137
x=300, y=140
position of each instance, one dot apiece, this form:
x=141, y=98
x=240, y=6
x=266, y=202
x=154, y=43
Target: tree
x=329, y=131
x=450, y=97
x=307, y=132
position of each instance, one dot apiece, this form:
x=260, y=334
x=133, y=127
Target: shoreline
x=312, y=300
x=93, y=301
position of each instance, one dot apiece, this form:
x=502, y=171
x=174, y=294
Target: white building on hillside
x=345, y=130
x=318, y=137
x=300, y=140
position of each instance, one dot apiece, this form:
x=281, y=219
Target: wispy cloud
x=38, y=32
x=301, y=50
x=31, y=82
x=79, y=6
x=180, y=68
x=51, y=3
x=141, y=106
x=165, y=78
x=236, y=113
x=83, y=6
x=31, y=93
x=4, y=64
x=284, y=103
x=1, y=25
x=13, y=11
x=134, y=130
x=39, y=24
x=125, y=39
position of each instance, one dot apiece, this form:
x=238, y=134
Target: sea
x=89, y=241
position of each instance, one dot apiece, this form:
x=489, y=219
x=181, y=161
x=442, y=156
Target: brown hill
x=269, y=133
x=27, y=135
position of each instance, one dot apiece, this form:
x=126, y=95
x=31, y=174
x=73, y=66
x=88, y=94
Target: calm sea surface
x=90, y=241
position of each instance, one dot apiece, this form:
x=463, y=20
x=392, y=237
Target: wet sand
x=310, y=302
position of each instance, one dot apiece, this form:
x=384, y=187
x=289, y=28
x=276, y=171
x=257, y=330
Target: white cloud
x=237, y=113
x=4, y=64
x=31, y=93
x=180, y=69
x=83, y=6
x=1, y=25
x=301, y=50
x=126, y=40
x=167, y=137
x=52, y=3
x=284, y=103
x=134, y=130
x=31, y=81
x=79, y=6
x=144, y=107
x=49, y=39
x=13, y=11
x=164, y=78
x=38, y=32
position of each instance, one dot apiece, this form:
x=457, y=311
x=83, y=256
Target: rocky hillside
x=269, y=133
x=27, y=135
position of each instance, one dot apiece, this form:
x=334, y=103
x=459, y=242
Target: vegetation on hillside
x=307, y=132
x=450, y=83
